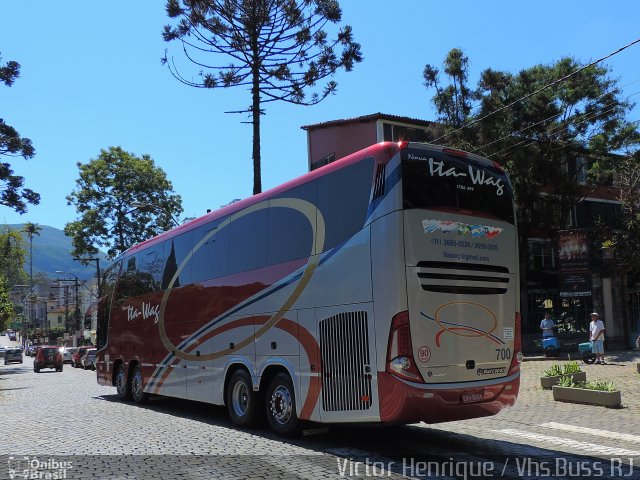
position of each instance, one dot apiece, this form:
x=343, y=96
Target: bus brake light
x=400, y=360
x=455, y=153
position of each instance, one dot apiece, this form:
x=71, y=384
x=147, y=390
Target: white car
x=67, y=354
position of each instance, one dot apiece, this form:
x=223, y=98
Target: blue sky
x=91, y=78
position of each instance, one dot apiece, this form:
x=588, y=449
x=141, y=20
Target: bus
x=380, y=288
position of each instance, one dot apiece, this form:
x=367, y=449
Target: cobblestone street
x=67, y=417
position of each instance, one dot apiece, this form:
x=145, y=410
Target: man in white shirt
x=546, y=325
x=596, y=335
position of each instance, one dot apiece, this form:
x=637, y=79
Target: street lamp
x=143, y=205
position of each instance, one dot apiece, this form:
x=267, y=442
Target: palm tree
x=31, y=229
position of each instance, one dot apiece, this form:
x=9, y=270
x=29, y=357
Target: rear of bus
x=454, y=353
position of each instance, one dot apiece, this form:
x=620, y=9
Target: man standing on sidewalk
x=596, y=335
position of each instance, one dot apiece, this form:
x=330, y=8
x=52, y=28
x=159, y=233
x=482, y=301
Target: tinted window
x=104, y=308
x=211, y=259
x=176, y=251
x=248, y=241
x=290, y=231
x=436, y=180
x=343, y=199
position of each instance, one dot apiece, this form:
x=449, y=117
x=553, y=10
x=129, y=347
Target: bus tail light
x=400, y=360
x=517, y=345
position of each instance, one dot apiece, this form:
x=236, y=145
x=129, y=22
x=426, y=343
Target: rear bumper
x=402, y=402
x=48, y=365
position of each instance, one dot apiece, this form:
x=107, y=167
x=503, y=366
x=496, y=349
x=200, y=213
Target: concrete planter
x=548, y=382
x=589, y=397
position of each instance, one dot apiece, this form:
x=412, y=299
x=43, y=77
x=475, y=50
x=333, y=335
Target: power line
x=553, y=116
x=578, y=120
x=555, y=82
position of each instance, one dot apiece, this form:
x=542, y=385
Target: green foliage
x=13, y=194
x=554, y=371
x=566, y=382
x=567, y=369
x=571, y=367
x=31, y=229
x=593, y=385
x=12, y=254
x=6, y=306
x=106, y=194
x=278, y=49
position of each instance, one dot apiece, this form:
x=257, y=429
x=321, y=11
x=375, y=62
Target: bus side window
x=211, y=260
x=175, y=252
x=290, y=231
x=343, y=200
x=104, y=308
x=248, y=241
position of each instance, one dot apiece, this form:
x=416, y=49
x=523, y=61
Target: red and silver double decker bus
x=382, y=287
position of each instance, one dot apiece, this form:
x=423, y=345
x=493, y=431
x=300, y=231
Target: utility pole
x=77, y=311
x=84, y=262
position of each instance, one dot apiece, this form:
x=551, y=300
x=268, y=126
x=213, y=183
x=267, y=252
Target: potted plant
x=556, y=373
x=591, y=393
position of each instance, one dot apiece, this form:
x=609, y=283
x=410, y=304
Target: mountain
x=52, y=252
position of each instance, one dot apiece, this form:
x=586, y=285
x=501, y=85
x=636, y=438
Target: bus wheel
x=281, y=405
x=122, y=386
x=241, y=399
x=137, y=386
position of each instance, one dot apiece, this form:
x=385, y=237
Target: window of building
x=398, y=133
x=542, y=254
x=323, y=161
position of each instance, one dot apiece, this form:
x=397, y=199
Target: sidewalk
x=621, y=369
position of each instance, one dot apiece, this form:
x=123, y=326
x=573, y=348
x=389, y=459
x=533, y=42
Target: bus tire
x=241, y=399
x=281, y=405
x=122, y=386
x=136, y=386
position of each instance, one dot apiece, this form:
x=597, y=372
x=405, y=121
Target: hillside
x=52, y=252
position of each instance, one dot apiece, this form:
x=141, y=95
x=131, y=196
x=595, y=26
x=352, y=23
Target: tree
x=12, y=253
x=276, y=48
x=625, y=239
x=536, y=123
x=452, y=102
x=13, y=194
x=108, y=193
x=6, y=305
x=31, y=229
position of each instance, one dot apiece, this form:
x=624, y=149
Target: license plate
x=472, y=396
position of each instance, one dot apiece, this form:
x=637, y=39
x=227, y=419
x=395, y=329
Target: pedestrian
x=596, y=332
x=547, y=325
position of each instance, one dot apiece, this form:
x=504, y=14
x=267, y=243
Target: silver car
x=89, y=359
x=67, y=354
x=12, y=355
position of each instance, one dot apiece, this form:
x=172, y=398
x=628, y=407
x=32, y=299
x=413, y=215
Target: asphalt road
x=65, y=424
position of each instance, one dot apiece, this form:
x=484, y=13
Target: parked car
x=31, y=350
x=12, y=355
x=77, y=356
x=2, y=348
x=12, y=336
x=89, y=359
x=48, y=356
x=67, y=354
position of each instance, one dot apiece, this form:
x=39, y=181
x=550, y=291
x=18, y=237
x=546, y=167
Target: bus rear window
x=438, y=181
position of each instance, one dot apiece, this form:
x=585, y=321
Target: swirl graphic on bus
x=316, y=221
x=461, y=329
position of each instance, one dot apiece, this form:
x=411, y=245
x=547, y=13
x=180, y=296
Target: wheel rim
x=240, y=399
x=136, y=384
x=120, y=381
x=281, y=405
